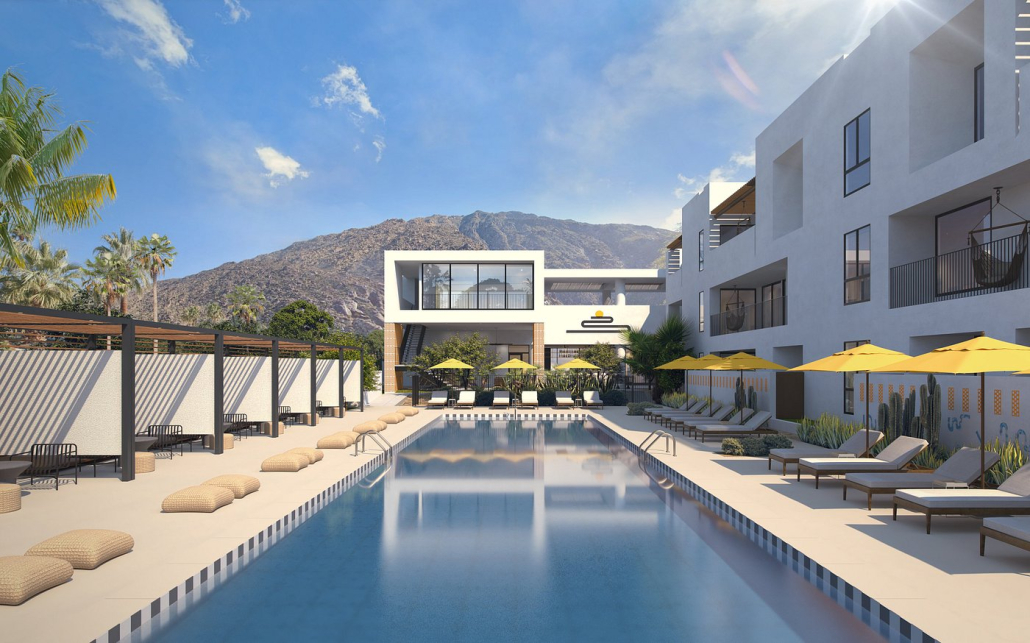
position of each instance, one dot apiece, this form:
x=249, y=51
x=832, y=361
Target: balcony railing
x=951, y=275
x=766, y=314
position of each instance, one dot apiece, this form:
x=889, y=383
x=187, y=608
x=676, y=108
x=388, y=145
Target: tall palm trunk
x=153, y=279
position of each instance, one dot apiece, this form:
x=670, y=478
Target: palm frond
x=55, y=155
x=73, y=201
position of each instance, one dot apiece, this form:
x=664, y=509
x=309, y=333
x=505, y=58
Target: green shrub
x=732, y=446
x=637, y=408
x=778, y=442
x=614, y=397
x=484, y=398
x=674, y=400
x=545, y=398
x=827, y=430
x=931, y=457
x=754, y=446
x=1013, y=456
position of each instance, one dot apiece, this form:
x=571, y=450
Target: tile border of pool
x=887, y=623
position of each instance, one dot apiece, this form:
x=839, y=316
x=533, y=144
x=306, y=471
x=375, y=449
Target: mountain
x=343, y=273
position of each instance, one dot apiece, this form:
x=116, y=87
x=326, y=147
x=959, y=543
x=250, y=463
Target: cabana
x=153, y=359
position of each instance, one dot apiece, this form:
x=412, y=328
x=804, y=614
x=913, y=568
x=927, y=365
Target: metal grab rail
x=653, y=437
x=383, y=443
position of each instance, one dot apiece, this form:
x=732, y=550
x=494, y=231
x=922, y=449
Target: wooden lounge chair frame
x=987, y=532
x=458, y=404
x=495, y=404
x=979, y=512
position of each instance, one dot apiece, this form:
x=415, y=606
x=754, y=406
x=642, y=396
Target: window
x=978, y=103
x=774, y=304
x=471, y=286
x=953, y=232
x=856, y=154
x=849, y=381
x=701, y=251
x=856, y=266
x=701, y=312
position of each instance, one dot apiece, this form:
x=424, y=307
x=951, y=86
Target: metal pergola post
x=314, y=384
x=339, y=364
x=219, y=394
x=275, y=388
x=128, y=456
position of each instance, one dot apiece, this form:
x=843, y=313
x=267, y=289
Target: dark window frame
x=979, y=124
x=701, y=251
x=701, y=312
x=866, y=277
x=849, y=378
x=848, y=169
x=479, y=299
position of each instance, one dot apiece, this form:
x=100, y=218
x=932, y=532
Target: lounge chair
x=894, y=457
x=563, y=400
x=853, y=446
x=1012, y=498
x=688, y=422
x=466, y=400
x=592, y=398
x=686, y=407
x=961, y=469
x=529, y=399
x=707, y=411
x=754, y=426
x=437, y=400
x=1014, y=530
x=502, y=399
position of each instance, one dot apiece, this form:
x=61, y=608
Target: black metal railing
x=952, y=275
x=486, y=300
x=765, y=314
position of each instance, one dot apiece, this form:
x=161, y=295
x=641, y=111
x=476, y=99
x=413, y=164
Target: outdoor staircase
x=411, y=343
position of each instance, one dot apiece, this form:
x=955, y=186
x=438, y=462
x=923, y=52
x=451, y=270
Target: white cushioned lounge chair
x=437, y=400
x=894, y=457
x=961, y=469
x=853, y=446
x=754, y=426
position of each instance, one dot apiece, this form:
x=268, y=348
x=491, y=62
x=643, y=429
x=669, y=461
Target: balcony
x=952, y=275
x=765, y=314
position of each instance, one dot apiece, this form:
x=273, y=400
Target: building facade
x=874, y=216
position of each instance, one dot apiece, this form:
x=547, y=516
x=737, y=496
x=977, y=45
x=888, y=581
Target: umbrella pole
x=710, y=405
x=867, y=414
x=740, y=420
x=983, y=431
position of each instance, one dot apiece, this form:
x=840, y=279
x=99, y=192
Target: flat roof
x=593, y=280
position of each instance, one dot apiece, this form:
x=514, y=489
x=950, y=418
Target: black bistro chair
x=168, y=437
x=48, y=460
x=237, y=424
x=287, y=416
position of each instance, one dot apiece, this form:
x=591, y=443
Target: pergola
x=129, y=331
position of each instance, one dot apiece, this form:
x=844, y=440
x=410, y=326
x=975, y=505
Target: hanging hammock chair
x=995, y=272
x=735, y=314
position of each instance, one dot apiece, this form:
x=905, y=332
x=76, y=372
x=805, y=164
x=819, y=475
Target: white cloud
x=380, y=145
x=280, y=167
x=733, y=170
x=154, y=37
x=674, y=221
x=237, y=11
x=344, y=86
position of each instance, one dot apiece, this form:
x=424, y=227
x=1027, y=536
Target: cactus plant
x=930, y=410
x=882, y=417
x=908, y=414
x=739, y=397
x=752, y=398
x=894, y=417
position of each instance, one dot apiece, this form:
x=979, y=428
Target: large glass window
x=700, y=250
x=849, y=381
x=701, y=312
x=953, y=227
x=856, y=154
x=978, y=103
x=470, y=286
x=774, y=304
x=856, y=266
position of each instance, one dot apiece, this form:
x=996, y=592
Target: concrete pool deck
x=938, y=582
x=169, y=547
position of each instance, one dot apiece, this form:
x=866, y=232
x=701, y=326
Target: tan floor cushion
x=22, y=577
x=407, y=410
x=392, y=418
x=340, y=440
x=10, y=498
x=85, y=548
x=199, y=499
x=313, y=455
x=146, y=462
x=367, y=427
x=239, y=484
x=285, y=462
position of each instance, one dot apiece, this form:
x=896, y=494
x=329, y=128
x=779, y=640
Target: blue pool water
x=514, y=531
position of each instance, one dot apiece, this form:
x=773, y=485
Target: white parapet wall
x=248, y=387
x=60, y=396
x=352, y=380
x=295, y=384
x=176, y=389
x=328, y=380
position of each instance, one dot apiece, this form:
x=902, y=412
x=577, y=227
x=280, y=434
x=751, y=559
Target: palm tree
x=190, y=315
x=44, y=279
x=213, y=314
x=101, y=276
x=126, y=271
x=648, y=351
x=246, y=304
x=155, y=253
x=33, y=158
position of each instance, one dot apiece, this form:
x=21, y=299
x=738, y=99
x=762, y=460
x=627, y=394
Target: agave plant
x=1013, y=456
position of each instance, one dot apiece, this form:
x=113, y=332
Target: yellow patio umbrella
x=978, y=355
x=745, y=362
x=576, y=364
x=708, y=363
x=859, y=359
x=680, y=364
x=451, y=363
x=515, y=365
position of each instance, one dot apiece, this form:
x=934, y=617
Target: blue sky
x=239, y=126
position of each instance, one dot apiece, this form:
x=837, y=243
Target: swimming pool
x=530, y=530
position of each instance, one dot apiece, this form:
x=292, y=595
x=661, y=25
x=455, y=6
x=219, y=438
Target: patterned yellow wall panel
x=880, y=395
x=951, y=398
x=965, y=400
x=997, y=401
x=861, y=393
x=1015, y=404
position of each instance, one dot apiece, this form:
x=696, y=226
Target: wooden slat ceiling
x=740, y=202
x=26, y=321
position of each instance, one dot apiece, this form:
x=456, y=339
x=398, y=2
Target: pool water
x=515, y=531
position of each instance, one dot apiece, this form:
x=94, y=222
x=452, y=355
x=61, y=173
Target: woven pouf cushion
x=200, y=499
x=285, y=463
x=313, y=455
x=407, y=410
x=22, y=577
x=392, y=418
x=239, y=484
x=146, y=462
x=340, y=440
x=10, y=498
x=85, y=548
x=366, y=427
